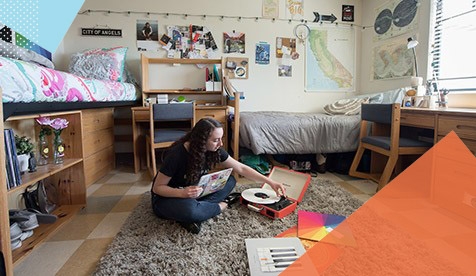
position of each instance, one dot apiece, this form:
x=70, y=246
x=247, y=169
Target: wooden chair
x=168, y=123
x=385, y=140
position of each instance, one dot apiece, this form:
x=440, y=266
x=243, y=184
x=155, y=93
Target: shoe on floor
x=321, y=168
x=232, y=199
x=193, y=227
x=25, y=219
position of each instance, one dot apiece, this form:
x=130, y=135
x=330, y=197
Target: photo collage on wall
x=285, y=53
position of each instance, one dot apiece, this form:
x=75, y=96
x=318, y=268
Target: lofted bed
x=32, y=86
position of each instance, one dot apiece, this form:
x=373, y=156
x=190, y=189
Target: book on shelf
x=12, y=165
x=230, y=90
x=16, y=163
x=8, y=158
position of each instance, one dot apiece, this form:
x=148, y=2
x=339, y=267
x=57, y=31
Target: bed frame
x=16, y=109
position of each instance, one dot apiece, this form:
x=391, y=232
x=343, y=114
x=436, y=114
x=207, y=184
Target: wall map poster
x=395, y=18
x=330, y=59
x=392, y=60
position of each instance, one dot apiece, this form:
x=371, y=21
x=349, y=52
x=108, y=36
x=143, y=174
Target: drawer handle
x=463, y=127
x=210, y=115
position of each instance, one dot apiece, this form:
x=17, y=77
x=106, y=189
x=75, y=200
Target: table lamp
x=411, y=45
x=416, y=81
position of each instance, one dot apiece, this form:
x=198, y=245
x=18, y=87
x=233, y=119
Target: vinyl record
x=260, y=196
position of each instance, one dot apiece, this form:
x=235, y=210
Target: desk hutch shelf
x=184, y=77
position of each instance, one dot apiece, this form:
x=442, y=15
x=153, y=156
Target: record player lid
x=295, y=182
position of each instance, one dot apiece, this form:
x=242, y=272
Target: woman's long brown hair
x=200, y=158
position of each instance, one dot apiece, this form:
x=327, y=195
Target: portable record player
x=264, y=199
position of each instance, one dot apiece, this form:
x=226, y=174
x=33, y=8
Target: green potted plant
x=24, y=148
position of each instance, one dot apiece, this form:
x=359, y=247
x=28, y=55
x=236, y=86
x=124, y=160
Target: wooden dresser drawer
x=142, y=115
x=98, y=165
x=97, y=140
x=217, y=114
x=417, y=120
x=96, y=119
x=465, y=127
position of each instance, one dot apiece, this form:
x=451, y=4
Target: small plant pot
x=23, y=162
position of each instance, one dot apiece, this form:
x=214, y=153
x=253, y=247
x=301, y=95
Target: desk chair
x=384, y=139
x=163, y=133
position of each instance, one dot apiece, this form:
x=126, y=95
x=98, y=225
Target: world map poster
x=330, y=59
x=392, y=60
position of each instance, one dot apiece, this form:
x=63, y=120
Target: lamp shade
x=411, y=43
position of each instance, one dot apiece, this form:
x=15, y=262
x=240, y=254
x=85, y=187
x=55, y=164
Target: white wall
x=264, y=90
x=368, y=44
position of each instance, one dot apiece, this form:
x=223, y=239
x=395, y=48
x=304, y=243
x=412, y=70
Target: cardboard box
x=295, y=183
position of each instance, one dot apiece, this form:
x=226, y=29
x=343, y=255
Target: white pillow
x=346, y=106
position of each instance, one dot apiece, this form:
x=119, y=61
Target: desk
x=440, y=121
x=443, y=120
x=140, y=120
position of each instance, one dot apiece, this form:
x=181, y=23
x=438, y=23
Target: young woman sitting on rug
x=174, y=191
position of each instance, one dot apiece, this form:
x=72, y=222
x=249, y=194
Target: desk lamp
x=411, y=45
x=416, y=81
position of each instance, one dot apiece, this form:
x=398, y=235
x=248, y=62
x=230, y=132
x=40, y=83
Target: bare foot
x=223, y=205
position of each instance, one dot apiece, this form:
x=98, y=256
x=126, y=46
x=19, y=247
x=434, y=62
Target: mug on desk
x=407, y=101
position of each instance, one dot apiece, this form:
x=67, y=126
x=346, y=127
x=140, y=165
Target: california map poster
x=330, y=59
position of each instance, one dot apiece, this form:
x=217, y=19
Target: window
x=454, y=54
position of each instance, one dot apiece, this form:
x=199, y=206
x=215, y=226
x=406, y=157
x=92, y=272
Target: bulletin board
x=236, y=68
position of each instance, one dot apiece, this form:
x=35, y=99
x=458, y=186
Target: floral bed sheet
x=27, y=82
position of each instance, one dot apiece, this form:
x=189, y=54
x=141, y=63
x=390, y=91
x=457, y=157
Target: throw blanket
x=346, y=106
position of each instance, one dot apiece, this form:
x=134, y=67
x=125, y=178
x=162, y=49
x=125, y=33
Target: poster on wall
x=330, y=59
x=270, y=8
x=262, y=53
x=295, y=9
x=285, y=70
x=147, y=35
x=394, y=18
x=234, y=42
x=392, y=60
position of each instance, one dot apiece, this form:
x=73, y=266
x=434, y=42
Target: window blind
x=454, y=52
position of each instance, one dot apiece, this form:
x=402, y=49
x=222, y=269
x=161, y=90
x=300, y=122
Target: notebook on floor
x=213, y=182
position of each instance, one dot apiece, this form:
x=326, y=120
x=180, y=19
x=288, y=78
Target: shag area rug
x=147, y=245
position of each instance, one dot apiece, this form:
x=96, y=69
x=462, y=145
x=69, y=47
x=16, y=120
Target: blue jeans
x=190, y=210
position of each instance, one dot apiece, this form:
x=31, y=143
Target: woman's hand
x=192, y=191
x=278, y=188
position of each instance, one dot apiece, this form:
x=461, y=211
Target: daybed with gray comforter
x=337, y=130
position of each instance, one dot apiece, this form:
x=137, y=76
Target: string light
x=204, y=16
